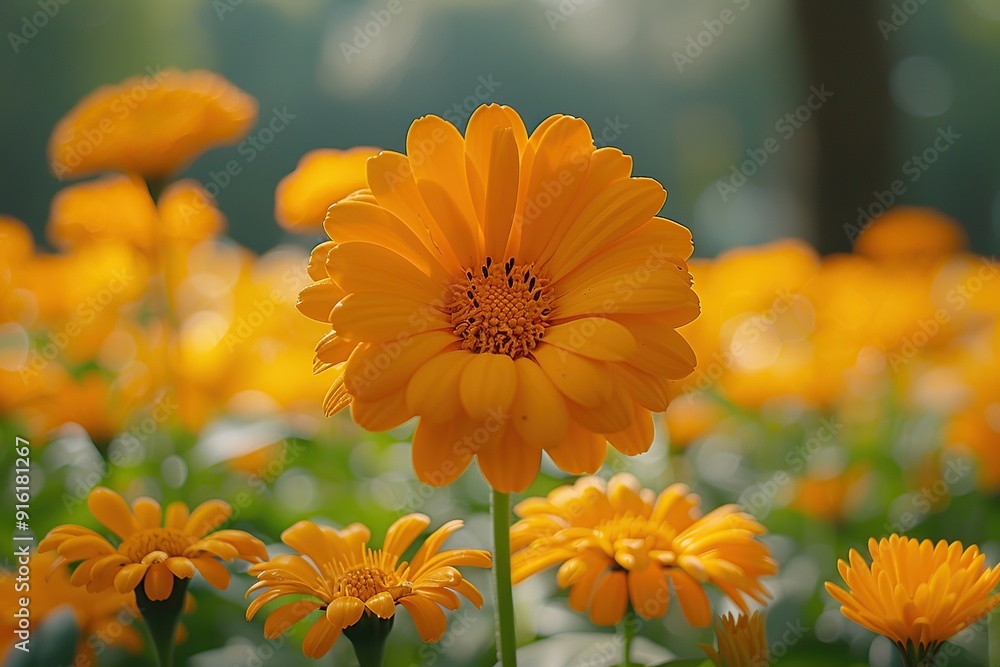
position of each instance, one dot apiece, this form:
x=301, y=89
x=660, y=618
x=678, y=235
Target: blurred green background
x=686, y=112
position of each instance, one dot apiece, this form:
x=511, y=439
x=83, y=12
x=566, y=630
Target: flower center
x=169, y=541
x=365, y=582
x=501, y=309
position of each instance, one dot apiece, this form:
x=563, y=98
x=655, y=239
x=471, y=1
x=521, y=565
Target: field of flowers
x=491, y=409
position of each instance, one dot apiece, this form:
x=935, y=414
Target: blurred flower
x=917, y=594
x=116, y=208
x=742, y=641
x=53, y=590
x=618, y=543
x=515, y=293
x=148, y=552
x=153, y=125
x=832, y=497
x=911, y=234
x=321, y=178
x=349, y=581
x=188, y=213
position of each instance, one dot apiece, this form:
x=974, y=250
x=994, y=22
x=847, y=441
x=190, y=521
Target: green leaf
x=51, y=643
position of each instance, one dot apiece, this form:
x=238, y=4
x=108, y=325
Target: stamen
x=501, y=313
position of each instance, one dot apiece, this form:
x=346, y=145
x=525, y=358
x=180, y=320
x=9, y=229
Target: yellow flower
x=321, y=178
x=115, y=208
x=153, y=125
x=742, y=641
x=188, y=213
x=346, y=579
x=917, y=594
x=619, y=543
x=148, y=552
x=97, y=614
x=516, y=293
x=912, y=235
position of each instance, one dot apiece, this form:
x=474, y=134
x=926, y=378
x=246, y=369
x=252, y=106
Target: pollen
x=365, y=582
x=501, y=308
x=167, y=541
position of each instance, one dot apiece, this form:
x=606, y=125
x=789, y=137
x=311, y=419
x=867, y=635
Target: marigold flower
x=742, y=641
x=94, y=613
x=516, y=293
x=115, y=208
x=911, y=234
x=153, y=125
x=346, y=579
x=619, y=543
x=917, y=594
x=149, y=552
x=321, y=178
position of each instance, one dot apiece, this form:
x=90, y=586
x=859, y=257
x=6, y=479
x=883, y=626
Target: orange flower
x=742, y=641
x=148, y=552
x=116, y=208
x=346, y=580
x=188, y=213
x=321, y=178
x=95, y=613
x=917, y=594
x=911, y=234
x=153, y=125
x=516, y=293
x=619, y=543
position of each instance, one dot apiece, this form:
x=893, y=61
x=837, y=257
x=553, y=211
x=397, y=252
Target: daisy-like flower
x=153, y=125
x=917, y=594
x=148, y=552
x=350, y=582
x=619, y=543
x=517, y=293
x=321, y=178
x=742, y=641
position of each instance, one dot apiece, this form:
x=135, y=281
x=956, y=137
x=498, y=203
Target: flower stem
x=161, y=619
x=368, y=637
x=503, y=595
x=628, y=628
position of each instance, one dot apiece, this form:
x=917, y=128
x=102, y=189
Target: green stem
x=628, y=628
x=993, y=632
x=161, y=619
x=503, y=595
x=369, y=637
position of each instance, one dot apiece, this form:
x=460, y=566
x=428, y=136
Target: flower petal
x=111, y=509
x=158, y=582
x=344, y=612
x=427, y=616
x=320, y=638
x=487, y=385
